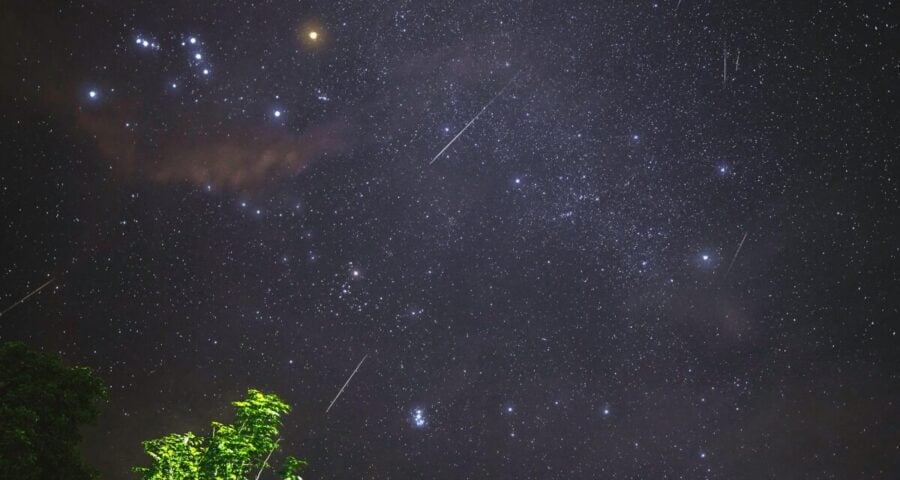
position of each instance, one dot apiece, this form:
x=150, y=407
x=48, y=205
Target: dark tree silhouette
x=42, y=405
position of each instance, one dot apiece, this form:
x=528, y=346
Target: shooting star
x=724, y=65
x=346, y=383
x=740, y=245
x=475, y=117
x=26, y=297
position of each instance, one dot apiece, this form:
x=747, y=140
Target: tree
x=231, y=452
x=42, y=405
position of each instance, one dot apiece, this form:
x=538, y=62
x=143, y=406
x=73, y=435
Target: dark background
x=560, y=293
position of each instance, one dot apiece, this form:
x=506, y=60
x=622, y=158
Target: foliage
x=231, y=452
x=291, y=467
x=42, y=405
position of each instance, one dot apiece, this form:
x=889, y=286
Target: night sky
x=661, y=241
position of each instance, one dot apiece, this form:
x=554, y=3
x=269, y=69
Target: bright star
x=277, y=113
x=92, y=94
x=193, y=40
x=206, y=71
x=313, y=35
x=198, y=56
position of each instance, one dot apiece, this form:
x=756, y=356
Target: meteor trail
x=740, y=245
x=26, y=297
x=724, y=65
x=346, y=383
x=475, y=117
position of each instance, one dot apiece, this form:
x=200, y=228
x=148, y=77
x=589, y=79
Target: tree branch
x=266, y=461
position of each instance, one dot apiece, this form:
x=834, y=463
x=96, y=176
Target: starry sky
x=568, y=239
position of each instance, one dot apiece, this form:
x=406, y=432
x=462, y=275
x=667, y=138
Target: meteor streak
x=486, y=106
x=740, y=245
x=346, y=383
x=26, y=297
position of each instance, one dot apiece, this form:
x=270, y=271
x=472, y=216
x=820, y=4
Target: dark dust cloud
x=667, y=249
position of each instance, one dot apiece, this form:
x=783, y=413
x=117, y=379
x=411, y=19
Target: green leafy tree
x=231, y=452
x=42, y=405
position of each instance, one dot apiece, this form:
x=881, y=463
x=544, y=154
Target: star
x=313, y=35
x=93, y=94
x=277, y=113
